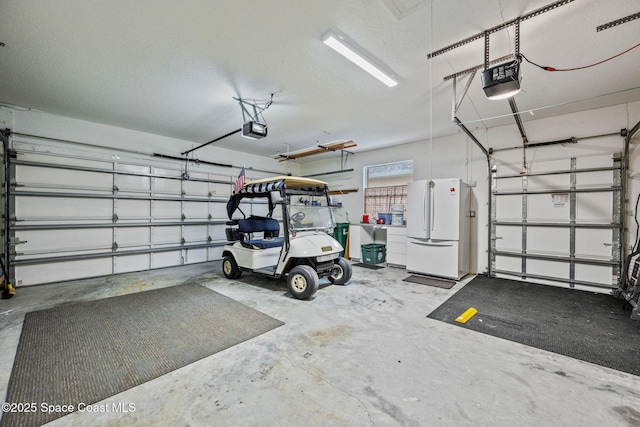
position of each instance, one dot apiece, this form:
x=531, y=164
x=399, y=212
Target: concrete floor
x=364, y=354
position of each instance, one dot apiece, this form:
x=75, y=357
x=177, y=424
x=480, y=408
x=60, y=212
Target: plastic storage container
x=397, y=214
x=386, y=217
x=374, y=253
x=340, y=233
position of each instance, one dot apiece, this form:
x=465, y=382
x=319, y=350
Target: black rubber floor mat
x=430, y=281
x=588, y=326
x=84, y=353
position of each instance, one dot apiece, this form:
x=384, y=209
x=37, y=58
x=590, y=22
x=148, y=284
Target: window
x=386, y=185
x=388, y=174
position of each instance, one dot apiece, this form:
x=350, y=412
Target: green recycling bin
x=340, y=233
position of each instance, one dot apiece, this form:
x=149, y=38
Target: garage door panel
x=594, y=242
x=548, y=240
x=594, y=274
x=215, y=253
x=126, y=264
x=218, y=232
x=594, y=206
x=548, y=268
x=548, y=182
x=166, y=259
x=197, y=188
x=62, y=271
x=594, y=179
x=195, y=233
x=508, y=263
x=548, y=207
x=193, y=256
x=196, y=210
x=508, y=238
x=63, y=208
x=509, y=207
x=64, y=240
x=167, y=209
x=64, y=178
x=133, y=209
x=131, y=236
x=166, y=185
x=133, y=183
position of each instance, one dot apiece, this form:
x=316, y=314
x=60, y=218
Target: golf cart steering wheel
x=297, y=218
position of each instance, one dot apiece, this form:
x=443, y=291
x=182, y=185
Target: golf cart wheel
x=302, y=282
x=341, y=272
x=230, y=267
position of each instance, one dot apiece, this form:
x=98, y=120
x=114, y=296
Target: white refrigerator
x=438, y=213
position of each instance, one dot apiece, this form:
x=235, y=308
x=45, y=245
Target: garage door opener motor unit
x=254, y=130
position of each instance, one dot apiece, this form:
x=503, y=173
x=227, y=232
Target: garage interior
x=127, y=125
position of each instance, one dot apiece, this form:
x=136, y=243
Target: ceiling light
x=356, y=54
x=502, y=81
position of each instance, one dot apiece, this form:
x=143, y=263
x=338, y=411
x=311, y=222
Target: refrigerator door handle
x=442, y=244
x=432, y=197
x=424, y=205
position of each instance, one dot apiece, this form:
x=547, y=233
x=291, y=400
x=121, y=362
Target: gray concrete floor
x=364, y=354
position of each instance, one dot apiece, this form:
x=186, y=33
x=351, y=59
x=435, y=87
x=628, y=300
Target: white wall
x=458, y=156
x=64, y=128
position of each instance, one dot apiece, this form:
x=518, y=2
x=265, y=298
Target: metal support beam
x=573, y=213
x=516, y=117
x=618, y=22
x=184, y=153
x=9, y=211
x=502, y=26
x=489, y=184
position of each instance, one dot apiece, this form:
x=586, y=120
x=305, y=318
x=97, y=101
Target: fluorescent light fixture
x=356, y=54
x=501, y=81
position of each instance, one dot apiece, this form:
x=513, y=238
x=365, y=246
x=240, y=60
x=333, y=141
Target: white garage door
x=86, y=212
x=560, y=224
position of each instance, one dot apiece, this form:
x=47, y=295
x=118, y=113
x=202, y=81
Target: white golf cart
x=305, y=252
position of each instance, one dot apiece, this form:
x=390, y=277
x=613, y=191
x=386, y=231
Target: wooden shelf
x=346, y=191
x=312, y=151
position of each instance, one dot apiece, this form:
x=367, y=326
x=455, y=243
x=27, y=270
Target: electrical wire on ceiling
x=507, y=28
x=260, y=109
x=547, y=68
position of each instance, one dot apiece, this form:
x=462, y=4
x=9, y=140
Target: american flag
x=237, y=186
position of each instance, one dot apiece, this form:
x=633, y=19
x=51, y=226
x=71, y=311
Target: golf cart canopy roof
x=278, y=182
x=262, y=188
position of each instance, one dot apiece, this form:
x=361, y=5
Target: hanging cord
x=634, y=250
x=546, y=68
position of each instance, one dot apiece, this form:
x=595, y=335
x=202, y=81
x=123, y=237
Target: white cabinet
x=395, y=239
x=354, y=242
x=397, y=245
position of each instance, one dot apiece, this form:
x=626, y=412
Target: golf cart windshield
x=309, y=213
x=304, y=200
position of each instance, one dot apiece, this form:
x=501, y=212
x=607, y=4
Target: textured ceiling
x=173, y=67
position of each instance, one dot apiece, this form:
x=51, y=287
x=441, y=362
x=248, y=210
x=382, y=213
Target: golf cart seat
x=257, y=224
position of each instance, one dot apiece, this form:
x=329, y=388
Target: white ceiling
x=173, y=67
